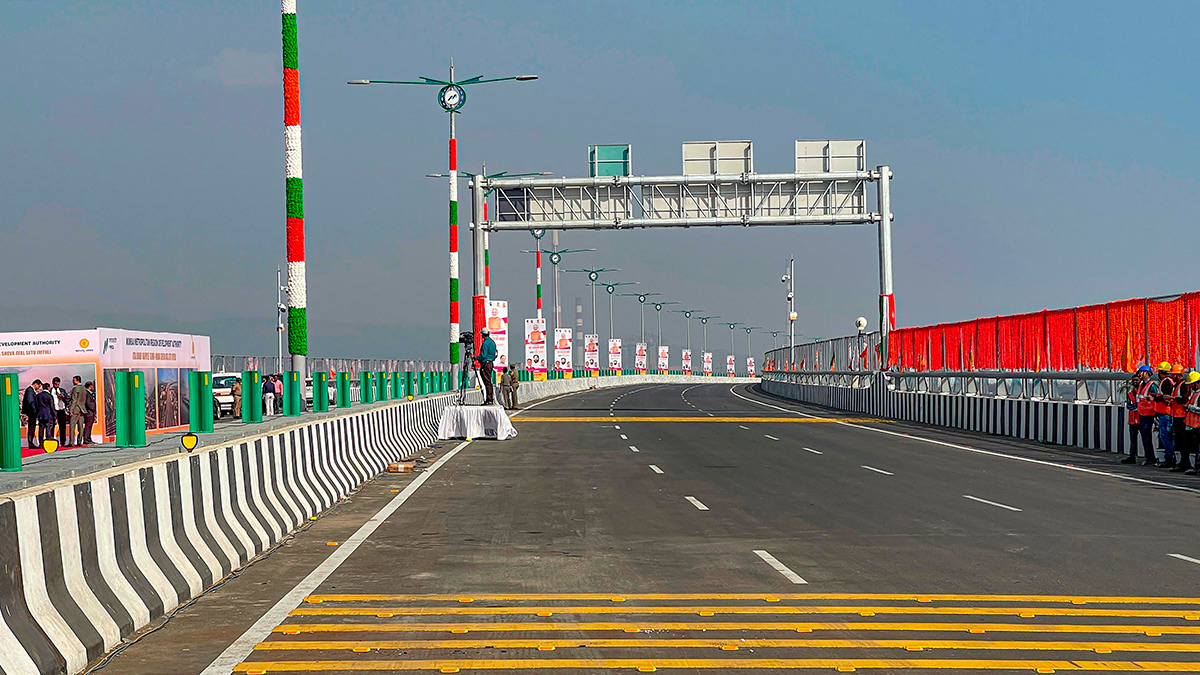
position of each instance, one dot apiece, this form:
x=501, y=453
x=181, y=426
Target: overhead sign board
x=706, y=158
x=610, y=160
x=831, y=156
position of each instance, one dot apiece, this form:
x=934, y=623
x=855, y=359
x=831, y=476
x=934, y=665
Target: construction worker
x=1191, y=422
x=1178, y=403
x=1135, y=426
x=1146, y=391
x=1162, y=413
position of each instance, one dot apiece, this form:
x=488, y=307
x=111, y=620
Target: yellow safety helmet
x=1177, y=369
x=1164, y=367
x=1193, y=377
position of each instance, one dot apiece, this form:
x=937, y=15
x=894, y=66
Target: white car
x=222, y=387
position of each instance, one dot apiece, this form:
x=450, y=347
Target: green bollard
x=425, y=382
x=252, y=403
x=10, y=423
x=381, y=386
x=131, y=409
x=366, y=387
x=397, y=385
x=342, y=399
x=200, y=403
x=445, y=375
x=321, y=392
x=293, y=394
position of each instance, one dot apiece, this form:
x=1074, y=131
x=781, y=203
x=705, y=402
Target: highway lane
x=484, y=561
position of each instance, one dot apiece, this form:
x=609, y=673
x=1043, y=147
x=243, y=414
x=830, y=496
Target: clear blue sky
x=1043, y=153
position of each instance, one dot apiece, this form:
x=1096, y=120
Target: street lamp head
x=359, y=82
x=861, y=323
x=526, y=78
x=593, y=276
x=538, y=234
x=610, y=288
x=704, y=319
x=658, y=306
x=784, y=279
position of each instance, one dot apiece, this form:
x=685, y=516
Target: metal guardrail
x=270, y=364
x=1100, y=387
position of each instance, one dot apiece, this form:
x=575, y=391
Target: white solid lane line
x=1184, y=557
x=871, y=468
x=985, y=501
x=624, y=437
x=696, y=502
x=634, y=448
x=780, y=567
x=770, y=437
x=655, y=469
x=742, y=427
x=815, y=452
x=990, y=453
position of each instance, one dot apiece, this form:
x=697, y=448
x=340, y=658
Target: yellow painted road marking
x=768, y=597
x=454, y=665
x=941, y=627
x=726, y=644
x=787, y=420
x=771, y=609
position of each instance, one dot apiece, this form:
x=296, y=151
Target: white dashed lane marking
x=991, y=503
x=815, y=452
x=780, y=567
x=742, y=427
x=634, y=448
x=871, y=468
x=1181, y=556
x=696, y=502
x=655, y=469
x=770, y=437
x=624, y=437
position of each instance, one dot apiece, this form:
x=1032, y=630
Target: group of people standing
x=47, y=408
x=509, y=380
x=1172, y=402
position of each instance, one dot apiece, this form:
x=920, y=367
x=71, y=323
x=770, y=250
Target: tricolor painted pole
x=454, y=325
x=887, y=300
x=479, y=301
x=297, y=293
x=538, y=265
x=487, y=257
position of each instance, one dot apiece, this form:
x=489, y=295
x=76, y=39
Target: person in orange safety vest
x=1146, y=391
x=1162, y=413
x=1191, y=424
x=1134, y=420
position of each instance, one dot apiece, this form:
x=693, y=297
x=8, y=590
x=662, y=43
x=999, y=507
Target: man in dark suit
x=29, y=408
x=89, y=418
x=59, y=397
x=45, y=414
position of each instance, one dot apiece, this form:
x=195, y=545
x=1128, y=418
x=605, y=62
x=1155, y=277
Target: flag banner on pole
x=591, y=353
x=664, y=358
x=750, y=366
x=731, y=365
x=707, y=365
x=562, y=349
x=497, y=323
x=639, y=358
x=614, y=354
x=687, y=361
x=535, y=347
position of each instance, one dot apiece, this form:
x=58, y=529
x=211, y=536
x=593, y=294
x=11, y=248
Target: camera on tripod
x=467, y=338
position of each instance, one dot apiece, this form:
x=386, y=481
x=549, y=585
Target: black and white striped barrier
x=1078, y=424
x=86, y=563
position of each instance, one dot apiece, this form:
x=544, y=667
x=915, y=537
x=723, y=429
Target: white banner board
x=591, y=352
x=497, y=323
x=614, y=354
x=640, y=361
x=562, y=349
x=664, y=360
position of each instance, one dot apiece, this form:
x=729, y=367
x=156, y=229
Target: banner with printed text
x=640, y=362
x=664, y=360
x=750, y=366
x=562, y=349
x=731, y=365
x=535, y=347
x=707, y=365
x=614, y=354
x=591, y=352
x=687, y=362
x=497, y=323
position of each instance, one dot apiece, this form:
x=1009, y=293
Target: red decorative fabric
x=1166, y=322
x=895, y=346
x=1192, y=302
x=908, y=357
x=1033, y=341
x=986, y=344
x=1008, y=339
x=952, y=337
x=1060, y=339
x=921, y=347
x=1127, y=334
x=937, y=359
x=1091, y=329
x=967, y=332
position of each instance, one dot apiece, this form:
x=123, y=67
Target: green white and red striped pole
x=297, y=291
x=454, y=323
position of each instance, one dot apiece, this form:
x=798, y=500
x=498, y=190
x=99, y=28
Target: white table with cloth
x=475, y=421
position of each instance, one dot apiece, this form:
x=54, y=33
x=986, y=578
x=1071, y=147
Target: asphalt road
x=702, y=528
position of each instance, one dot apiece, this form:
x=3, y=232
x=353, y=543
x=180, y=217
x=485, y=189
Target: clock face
x=452, y=97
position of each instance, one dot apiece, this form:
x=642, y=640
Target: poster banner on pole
x=687, y=362
x=614, y=355
x=750, y=366
x=707, y=365
x=731, y=365
x=591, y=353
x=639, y=358
x=664, y=361
x=497, y=323
x=535, y=347
x=562, y=349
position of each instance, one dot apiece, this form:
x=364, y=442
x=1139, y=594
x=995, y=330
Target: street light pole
x=658, y=311
x=452, y=96
x=704, y=322
x=612, y=288
x=593, y=276
x=687, y=314
x=642, y=309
